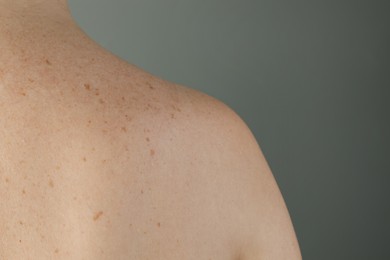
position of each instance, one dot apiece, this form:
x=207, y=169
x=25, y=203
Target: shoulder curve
x=265, y=228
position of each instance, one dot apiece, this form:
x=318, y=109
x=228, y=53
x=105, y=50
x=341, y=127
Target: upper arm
x=265, y=230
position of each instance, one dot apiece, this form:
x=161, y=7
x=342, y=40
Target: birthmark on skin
x=48, y=62
x=97, y=215
x=87, y=86
x=152, y=152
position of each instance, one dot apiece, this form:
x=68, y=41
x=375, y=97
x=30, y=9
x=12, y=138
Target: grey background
x=310, y=78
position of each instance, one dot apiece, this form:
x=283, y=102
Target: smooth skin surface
x=101, y=160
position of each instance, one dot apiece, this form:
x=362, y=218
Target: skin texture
x=102, y=160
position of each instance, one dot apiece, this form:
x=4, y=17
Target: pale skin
x=102, y=160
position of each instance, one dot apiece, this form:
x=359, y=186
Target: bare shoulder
x=251, y=196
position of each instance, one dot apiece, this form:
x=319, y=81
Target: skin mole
x=150, y=85
x=87, y=86
x=97, y=215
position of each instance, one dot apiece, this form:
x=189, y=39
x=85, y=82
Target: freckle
x=51, y=184
x=97, y=92
x=104, y=161
x=74, y=198
x=172, y=115
x=130, y=225
x=159, y=224
x=123, y=98
x=20, y=241
x=31, y=80
x=87, y=86
x=152, y=152
x=147, y=139
x=93, y=149
x=58, y=167
x=23, y=94
x=84, y=159
x=142, y=191
x=145, y=232
x=97, y=215
x=124, y=129
x=150, y=85
x=105, y=122
x=56, y=251
x=48, y=62
x=21, y=223
x=23, y=191
x=6, y=180
x=101, y=101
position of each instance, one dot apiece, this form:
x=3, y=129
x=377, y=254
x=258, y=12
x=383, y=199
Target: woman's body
x=101, y=160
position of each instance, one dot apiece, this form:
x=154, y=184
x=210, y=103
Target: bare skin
x=102, y=160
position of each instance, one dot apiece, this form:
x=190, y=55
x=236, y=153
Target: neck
x=37, y=33
x=23, y=19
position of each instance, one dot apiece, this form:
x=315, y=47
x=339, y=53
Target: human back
x=102, y=160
